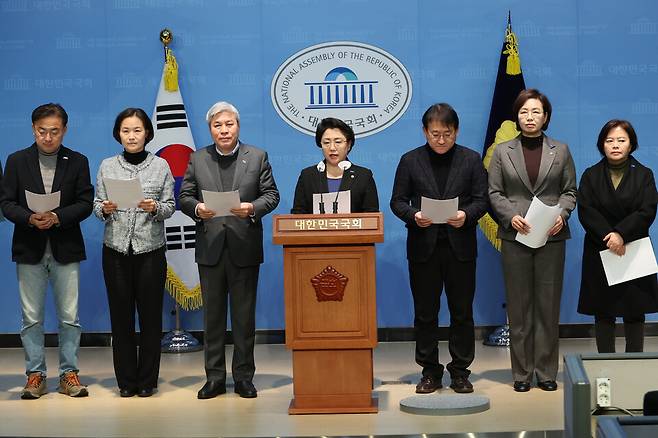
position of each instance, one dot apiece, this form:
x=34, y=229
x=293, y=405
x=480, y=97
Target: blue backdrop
x=595, y=61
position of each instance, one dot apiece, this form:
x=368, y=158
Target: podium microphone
x=321, y=205
x=335, y=204
x=650, y=405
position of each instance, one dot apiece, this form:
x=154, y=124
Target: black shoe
x=521, y=386
x=428, y=384
x=547, y=385
x=127, y=392
x=145, y=392
x=212, y=389
x=461, y=385
x=245, y=389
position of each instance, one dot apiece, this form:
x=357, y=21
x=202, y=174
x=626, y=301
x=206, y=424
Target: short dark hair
x=141, y=115
x=523, y=97
x=443, y=113
x=332, y=123
x=48, y=110
x=617, y=123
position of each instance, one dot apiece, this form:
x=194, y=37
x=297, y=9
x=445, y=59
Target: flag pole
x=501, y=127
x=177, y=340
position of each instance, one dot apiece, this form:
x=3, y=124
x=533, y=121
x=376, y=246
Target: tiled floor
x=175, y=411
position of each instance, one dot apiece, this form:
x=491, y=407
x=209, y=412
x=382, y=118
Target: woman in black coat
x=335, y=172
x=617, y=199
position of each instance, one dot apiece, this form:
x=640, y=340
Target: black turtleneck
x=135, y=158
x=440, y=167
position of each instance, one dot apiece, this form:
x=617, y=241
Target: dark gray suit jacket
x=253, y=178
x=510, y=191
x=414, y=178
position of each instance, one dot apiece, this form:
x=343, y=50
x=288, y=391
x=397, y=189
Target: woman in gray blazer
x=532, y=165
x=134, y=264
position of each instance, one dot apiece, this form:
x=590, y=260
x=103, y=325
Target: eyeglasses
x=44, y=133
x=442, y=135
x=533, y=113
x=338, y=142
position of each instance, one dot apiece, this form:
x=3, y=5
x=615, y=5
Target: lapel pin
x=244, y=161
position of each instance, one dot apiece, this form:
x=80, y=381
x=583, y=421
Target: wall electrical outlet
x=603, y=393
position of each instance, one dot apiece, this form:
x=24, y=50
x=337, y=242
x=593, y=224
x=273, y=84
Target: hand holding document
x=39, y=203
x=221, y=202
x=439, y=210
x=541, y=218
x=124, y=193
x=342, y=200
x=638, y=261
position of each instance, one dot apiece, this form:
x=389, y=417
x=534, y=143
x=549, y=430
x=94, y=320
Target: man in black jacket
x=442, y=255
x=48, y=246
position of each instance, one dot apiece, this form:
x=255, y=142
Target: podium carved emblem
x=329, y=285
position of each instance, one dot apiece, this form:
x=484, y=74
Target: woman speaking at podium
x=335, y=174
x=617, y=205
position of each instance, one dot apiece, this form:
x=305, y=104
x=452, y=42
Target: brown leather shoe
x=428, y=384
x=461, y=385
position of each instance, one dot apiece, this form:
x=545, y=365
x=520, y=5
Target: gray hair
x=221, y=107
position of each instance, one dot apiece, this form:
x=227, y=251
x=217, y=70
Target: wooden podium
x=331, y=317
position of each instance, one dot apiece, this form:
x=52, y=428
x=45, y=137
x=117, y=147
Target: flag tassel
x=489, y=228
x=512, y=51
x=171, y=72
x=188, y=299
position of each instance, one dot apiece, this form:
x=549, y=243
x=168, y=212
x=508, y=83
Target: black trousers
x=428, y=279
x=604, y=327
x=226, y=285
x=135, y=282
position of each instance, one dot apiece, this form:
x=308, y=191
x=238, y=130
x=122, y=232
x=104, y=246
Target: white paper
x=39, y=203
x=221, y=202
x=125, y=193
x=638, y=261
x=344, y=199
x=439, y=210
x=541, y=218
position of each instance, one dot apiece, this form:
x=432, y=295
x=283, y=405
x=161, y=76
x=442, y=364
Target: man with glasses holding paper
x=441, y=253
x=229, y=247
x=47, y=244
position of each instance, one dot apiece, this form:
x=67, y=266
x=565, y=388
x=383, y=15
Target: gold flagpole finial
x=171, y=67
x=166, y=36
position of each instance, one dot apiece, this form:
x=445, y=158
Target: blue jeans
x=32, y=287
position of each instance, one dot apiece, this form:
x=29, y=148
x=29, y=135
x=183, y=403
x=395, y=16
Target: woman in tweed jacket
x=134, y=264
